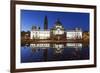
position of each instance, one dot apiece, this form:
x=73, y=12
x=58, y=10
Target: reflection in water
x=58, y=48
x=54, y=52
x=74, y=45
x=40, y=45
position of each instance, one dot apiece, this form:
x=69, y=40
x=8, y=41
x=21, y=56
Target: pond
x=54, y=52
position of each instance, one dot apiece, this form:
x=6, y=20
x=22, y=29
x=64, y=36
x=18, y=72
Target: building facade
x=74, y=34
x=57, y=32
x=37, y=34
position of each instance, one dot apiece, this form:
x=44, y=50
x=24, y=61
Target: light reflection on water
x=54, y=52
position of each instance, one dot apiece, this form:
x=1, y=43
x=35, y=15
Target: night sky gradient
x=70, y=20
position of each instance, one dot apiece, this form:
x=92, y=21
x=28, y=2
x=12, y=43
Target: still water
x=54, y=52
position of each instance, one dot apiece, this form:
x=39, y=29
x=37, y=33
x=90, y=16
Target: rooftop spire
x=45, y=22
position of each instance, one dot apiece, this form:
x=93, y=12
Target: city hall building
x=58, y=32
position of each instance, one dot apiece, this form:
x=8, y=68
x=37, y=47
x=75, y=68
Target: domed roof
x=58, y=22
x=58, y=25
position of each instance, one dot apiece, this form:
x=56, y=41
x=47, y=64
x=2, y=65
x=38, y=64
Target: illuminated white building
x=37, y=34
x=74, y=34
x=57, y=32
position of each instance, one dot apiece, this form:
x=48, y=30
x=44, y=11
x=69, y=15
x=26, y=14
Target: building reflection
x=58, y=48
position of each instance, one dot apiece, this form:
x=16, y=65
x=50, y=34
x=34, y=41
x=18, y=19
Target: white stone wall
x=37, y=34
x=45, y=34
x=73, y=34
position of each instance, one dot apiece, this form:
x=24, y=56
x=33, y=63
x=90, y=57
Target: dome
x=58, y=22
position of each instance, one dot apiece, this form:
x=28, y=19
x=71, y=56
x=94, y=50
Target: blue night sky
x=70, y=20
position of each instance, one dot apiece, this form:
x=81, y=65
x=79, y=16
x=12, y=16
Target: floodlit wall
x=40, y=34
x=45, y=34
x=74, y=34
